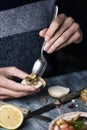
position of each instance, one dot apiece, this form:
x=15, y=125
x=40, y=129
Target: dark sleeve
x=78, y=10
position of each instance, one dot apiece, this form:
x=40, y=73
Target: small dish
x=67, y=116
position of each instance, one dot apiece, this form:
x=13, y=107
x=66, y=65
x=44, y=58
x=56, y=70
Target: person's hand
x=62, y=32
x=10, y=88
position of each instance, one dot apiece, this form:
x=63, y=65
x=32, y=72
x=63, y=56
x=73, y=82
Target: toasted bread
x=83, y=95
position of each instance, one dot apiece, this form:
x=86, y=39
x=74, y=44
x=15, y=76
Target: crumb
x=76, y=105
x=44, y=100
x=73, y=100
x=71, y=106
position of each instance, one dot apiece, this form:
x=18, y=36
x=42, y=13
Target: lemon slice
x=10, y=117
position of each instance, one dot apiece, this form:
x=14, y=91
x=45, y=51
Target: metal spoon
x=41, y=63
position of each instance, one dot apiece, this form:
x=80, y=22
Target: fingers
x=43, y=32
x=12, y=71
x=10, y=88
x=55, y=25
x=74, y=38
x=63, y=30
x=63, y=38
x=14, y=86
x=2, y=97
x=67, y=23
x=79, y=37
x=6, y=93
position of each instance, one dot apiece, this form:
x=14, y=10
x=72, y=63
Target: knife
x=55, y=104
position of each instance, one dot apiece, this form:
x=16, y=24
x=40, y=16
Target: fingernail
x=45, y=48
x=49, y=51
x=47, y=38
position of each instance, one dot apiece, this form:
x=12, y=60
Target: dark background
x=8, y=4
x=73, y=57
x=78, y=10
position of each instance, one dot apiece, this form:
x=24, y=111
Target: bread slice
x=84, y=95
x=58, y=91
x=34, y=81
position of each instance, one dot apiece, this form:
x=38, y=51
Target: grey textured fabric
x=26, y=18
x=20, y=42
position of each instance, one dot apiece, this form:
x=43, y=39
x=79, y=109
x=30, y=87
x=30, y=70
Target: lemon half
x=10, y=117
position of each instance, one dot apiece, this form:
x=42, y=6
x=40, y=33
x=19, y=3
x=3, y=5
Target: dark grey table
x=74, y=81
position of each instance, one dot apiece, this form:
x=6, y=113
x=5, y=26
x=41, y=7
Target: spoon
x=41, y=63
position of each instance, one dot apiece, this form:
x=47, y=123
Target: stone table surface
x=75, y=81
